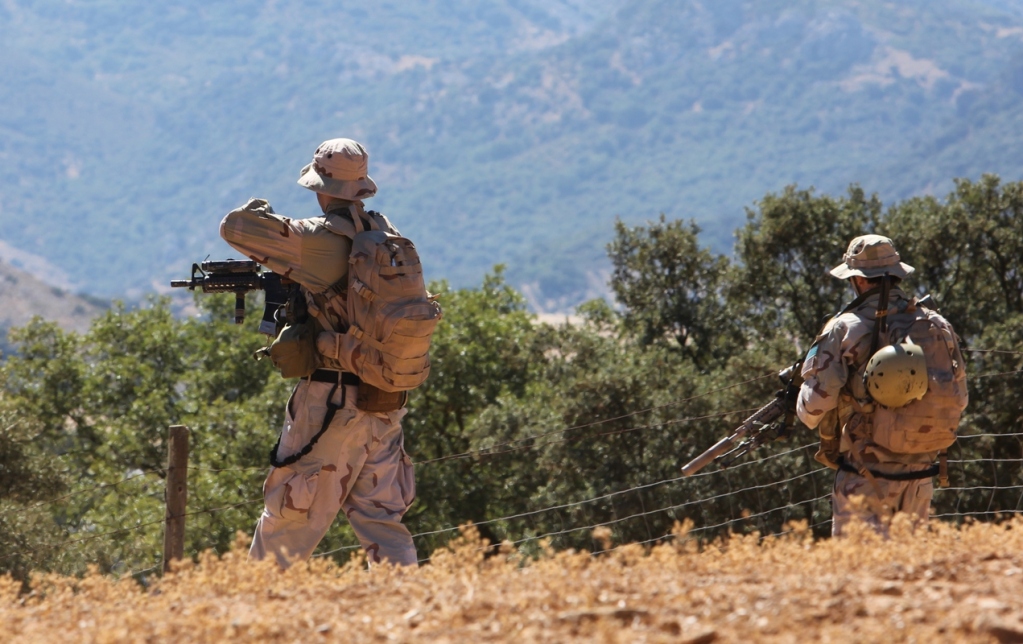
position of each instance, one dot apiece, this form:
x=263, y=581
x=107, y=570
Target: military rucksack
x=930, y=423
x=391, y=316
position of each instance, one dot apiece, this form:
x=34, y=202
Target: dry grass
x=941, y=584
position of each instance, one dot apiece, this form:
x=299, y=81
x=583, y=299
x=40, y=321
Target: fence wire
x=495, y=449
x=134, y=528
x=679, y=481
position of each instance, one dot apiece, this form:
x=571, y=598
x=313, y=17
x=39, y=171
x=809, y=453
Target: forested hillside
x=23, y=296
x=537, y=433
x=511, y=131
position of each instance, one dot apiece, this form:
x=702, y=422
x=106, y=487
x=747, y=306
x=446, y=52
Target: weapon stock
x=759, y=428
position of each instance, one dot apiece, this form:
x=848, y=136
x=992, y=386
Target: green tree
x=670, y=288
x=484, y=351
x=785, y=250
x=966, y=250
x=519, y=417
x=95, y=409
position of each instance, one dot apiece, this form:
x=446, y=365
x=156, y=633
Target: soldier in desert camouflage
x=873, y=482
x=332, y=455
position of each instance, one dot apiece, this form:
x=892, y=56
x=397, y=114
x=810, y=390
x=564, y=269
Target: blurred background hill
x=22, y=296
x=510, y=131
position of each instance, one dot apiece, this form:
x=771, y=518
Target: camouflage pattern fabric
x=302, y=250
x=833, y=380
x=876, y=502
x=339, y=169
x=833, y=391
x=358, y=465
x=313, y=252
x=871, y=256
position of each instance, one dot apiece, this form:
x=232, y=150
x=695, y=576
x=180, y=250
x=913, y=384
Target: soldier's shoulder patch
x=811, y=353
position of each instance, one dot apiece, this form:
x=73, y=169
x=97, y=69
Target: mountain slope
x=508, y=132
x=684, y=112
x=23, y=297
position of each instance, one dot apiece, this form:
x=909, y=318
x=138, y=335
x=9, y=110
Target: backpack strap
x=881, y=316
x=360, y=219
x=860, y=299
x=951, y=342
x=385, y=224
x=351, y=219
x=339, y=287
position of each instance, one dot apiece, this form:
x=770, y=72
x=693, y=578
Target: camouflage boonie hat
x=871, y=256
x=339, y=169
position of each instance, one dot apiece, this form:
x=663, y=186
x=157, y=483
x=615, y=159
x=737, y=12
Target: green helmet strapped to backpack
x=897, y=375
x=919, y=383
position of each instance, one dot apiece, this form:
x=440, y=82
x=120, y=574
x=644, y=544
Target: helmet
x=897, y=375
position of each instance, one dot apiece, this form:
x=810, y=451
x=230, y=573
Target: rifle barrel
x=238, y=277
x=763, y=416
x=705, y=459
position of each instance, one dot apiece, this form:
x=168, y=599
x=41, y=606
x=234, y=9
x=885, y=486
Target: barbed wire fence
x=804, y=495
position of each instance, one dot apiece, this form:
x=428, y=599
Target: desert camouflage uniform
x=359, y=464
x=833, y=394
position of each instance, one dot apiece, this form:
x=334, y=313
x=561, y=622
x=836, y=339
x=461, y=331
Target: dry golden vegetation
x=939, y=584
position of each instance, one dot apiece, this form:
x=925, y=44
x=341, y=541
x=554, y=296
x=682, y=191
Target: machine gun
x=770, y=422
x=239, y=276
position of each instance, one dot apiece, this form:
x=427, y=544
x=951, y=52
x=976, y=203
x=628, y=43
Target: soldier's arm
x=824, y=375
x=262, y=235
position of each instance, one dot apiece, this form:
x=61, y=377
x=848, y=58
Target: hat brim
x=355, y=190
x=844, y=272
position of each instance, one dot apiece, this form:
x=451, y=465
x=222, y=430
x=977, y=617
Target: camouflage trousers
x=875, y=503
x=359, y=464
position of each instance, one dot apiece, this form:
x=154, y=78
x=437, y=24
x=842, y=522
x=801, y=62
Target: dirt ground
x=942, y=584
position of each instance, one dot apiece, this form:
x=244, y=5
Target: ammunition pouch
x=372, y=399
x=293, y=351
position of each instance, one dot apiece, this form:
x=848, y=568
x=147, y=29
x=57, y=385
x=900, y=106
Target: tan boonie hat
x=339, y=169
x=871, y=256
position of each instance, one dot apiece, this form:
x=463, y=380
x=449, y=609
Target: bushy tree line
x=519, y=416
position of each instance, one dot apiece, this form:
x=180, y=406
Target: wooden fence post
x=176, y=495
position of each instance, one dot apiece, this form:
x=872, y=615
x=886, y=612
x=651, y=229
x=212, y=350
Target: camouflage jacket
x=312, y=252
x=833, y=391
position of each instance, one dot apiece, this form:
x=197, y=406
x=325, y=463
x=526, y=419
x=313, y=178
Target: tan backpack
x=930, y=423
x=391, y=316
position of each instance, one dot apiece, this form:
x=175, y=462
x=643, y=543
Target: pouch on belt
x=293, y=351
